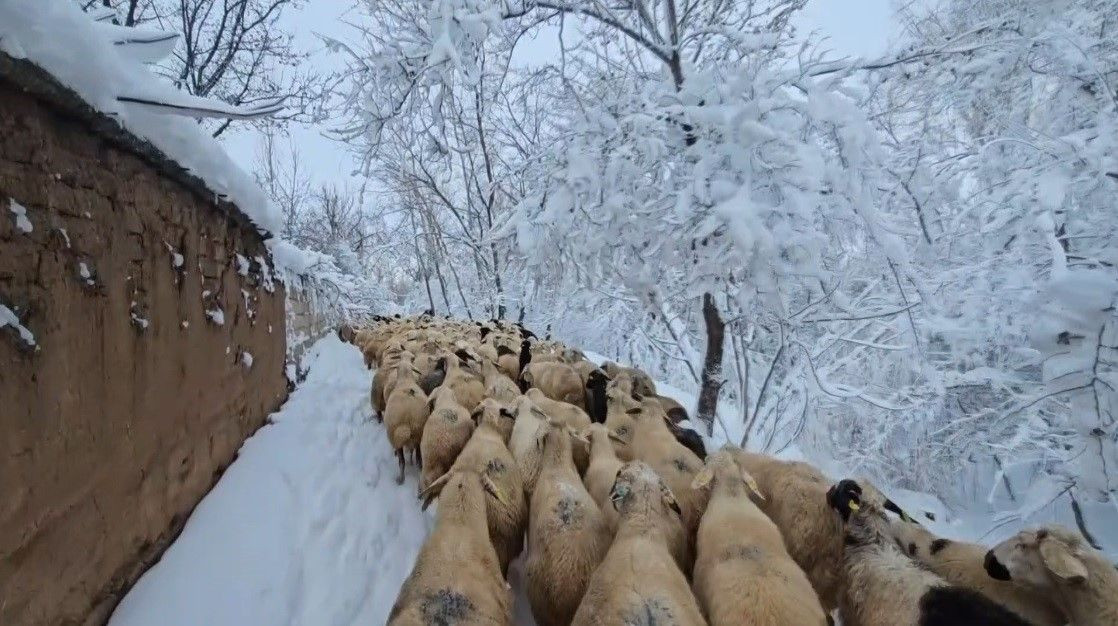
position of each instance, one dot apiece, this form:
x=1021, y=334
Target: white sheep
x=1057, y=564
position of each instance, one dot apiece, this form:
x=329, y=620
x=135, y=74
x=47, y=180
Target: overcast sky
x=851, y=27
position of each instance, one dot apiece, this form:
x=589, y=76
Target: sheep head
x=454, y=477
x=638, y=487
x=863, y=517
x=722, y=467
x=1040, y=558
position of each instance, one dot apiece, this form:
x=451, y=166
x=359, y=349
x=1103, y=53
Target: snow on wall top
x=80, y=53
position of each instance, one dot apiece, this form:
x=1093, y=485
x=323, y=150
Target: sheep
x=567, y=534
x=523, y=442
x=599, y=477
x=445, y=433
x=504, y=417
x=468, y=389
x=743, y=573
x=883, y=587
x=346, y=333
x=673, y=409
x=690, y=439
x=511, y=362
x=556, y=380
x=582, y=367
x=383, y=379
x=435, y=377
x=566, y=414
x=812, y=534
x=487, y=454
x=1057, y=564
x=637, y=381
x=508, y=361
x=647, y=438
x=596, y=404
x=456, y=578
x=405, y=414
x=602, y=470
x=497, y=385
x=638, y=582
x=961, y=563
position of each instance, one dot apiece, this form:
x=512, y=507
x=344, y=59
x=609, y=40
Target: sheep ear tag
x=703, y=478
x=1060, y=561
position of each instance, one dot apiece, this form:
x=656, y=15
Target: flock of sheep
x=628, y=520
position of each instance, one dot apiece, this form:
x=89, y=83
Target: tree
x=232, y=50
x=1002, y=151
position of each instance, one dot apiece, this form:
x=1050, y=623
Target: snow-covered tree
x=1003, y=150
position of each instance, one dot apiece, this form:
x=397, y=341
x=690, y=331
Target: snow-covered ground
x=308, y=526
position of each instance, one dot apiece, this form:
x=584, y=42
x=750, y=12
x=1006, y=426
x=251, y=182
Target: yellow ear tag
x=854, y=506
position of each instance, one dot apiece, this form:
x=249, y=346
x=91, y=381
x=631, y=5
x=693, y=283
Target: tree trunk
x=711, y=381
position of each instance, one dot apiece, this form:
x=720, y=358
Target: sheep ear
x=752, y=484
x=634, y=411
x=703, y=478
x=1061, y=562
x=494, y=490
x=668, y=498
x=577, y=436
x=616, y=437
x=433, y=490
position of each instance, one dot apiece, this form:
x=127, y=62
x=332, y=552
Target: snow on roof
x=104, y=65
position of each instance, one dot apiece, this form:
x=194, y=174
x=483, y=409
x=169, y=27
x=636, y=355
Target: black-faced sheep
x=883, y=587
x=638, y=581
x=743, y=572
x=1055, y=563
x=596, y=403
x=961, y=563
x=812, y=534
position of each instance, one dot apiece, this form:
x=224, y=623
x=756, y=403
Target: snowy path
x=307, y=527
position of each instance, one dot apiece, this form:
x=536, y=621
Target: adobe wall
x=132, y=400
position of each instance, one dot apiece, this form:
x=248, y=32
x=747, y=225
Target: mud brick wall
x=133, y=398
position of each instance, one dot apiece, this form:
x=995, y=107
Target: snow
x=307, y=526
x=80, y=54
x=242, y=265
x=86, y=275
x=217, y=316
x=246, y=359
x=8, y=318
x=20, y=213
x=65, y=236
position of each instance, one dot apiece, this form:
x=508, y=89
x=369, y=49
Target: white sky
x=851, y=28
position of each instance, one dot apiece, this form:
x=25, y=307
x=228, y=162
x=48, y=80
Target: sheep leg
x=400, y=458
